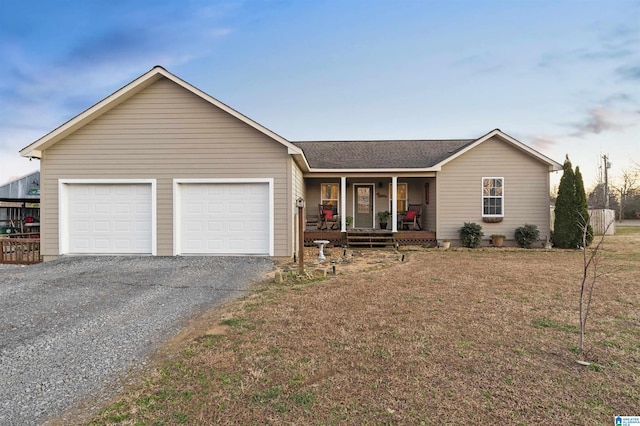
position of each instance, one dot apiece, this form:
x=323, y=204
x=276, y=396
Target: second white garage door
x=223, y=218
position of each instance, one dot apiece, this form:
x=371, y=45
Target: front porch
x=371, y=238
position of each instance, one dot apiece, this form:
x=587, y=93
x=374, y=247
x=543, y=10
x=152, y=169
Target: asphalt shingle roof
x=380, y=154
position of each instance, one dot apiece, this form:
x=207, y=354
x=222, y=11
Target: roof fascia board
x=302, y=162
x=376, y=174
x=370, y=171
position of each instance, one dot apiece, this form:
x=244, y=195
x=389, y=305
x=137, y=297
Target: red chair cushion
x=411, y=214
x=328, y=214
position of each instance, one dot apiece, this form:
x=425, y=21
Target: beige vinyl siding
x=298, y=191
x=166, y=132
x=526, y=190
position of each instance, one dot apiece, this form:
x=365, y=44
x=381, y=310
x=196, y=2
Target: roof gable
x=400, y=155
x=313, y=156
x=35, y=149
x=553, y=165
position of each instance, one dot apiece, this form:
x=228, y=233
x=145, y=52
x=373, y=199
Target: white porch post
x=343, y=204
x=394, y=204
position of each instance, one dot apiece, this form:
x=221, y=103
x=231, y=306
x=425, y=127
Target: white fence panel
x=603, y=221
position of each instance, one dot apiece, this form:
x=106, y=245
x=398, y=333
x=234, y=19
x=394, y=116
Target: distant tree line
x=624, y=196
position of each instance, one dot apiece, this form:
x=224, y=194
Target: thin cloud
x=95, y=65
x=590, y=54
x=629, y=72
x=543, y=143
x=616, y=99
x=107, y=47
x=611, y=44
x=623, y=36
x=599, y=120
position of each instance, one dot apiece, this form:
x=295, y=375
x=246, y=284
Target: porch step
x=370, y=239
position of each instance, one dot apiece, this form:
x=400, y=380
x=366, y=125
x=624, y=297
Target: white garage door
x=109, y=218
x=223, y=218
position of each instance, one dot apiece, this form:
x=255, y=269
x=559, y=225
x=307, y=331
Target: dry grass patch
x=481, y=336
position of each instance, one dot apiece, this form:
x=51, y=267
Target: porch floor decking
x=370, y=238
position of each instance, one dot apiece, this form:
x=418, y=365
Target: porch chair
x=412, y=217
x=328, y=214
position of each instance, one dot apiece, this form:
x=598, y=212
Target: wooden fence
x=603, y=221
x=19, y=250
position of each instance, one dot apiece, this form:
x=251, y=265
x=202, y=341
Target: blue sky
x=560, y=76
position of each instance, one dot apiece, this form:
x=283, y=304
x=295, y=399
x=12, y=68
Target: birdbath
x=321, y=244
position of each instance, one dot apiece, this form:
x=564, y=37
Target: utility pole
x=606, y=181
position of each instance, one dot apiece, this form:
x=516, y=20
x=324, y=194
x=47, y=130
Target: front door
x=363, y=215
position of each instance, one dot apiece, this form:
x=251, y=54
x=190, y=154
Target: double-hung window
x=492, y=197
x=401, y=196
x=330, y=194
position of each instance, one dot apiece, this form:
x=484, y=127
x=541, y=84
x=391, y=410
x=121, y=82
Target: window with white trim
x=330, y=194
x=493, y=196
x=401, y=194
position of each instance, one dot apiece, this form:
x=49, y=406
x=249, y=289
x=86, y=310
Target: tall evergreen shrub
x=583, y=209
x=571, y=210
x=563, y=231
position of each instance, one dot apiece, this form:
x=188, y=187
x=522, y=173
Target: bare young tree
x=628, y=183
x=590, y=275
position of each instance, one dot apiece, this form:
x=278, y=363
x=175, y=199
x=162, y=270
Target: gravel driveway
x=69, y=327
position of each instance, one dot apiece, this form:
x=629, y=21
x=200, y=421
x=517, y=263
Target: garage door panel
x=215, y=208
x=100, y=244
x=83, y=244
x=216, y=245
x=123, y=244
x=82, y=208
x=254, y=226
x=123, y=227
x=143, y=227
x=143, y=208
x=101, y=190
x=234, y=218
x=123, y=208
x=109, y=218
x=237, y=207
x=195, y=209
x=215, y=227
x=236, y=226
x=100, y=226
x=214, y=190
